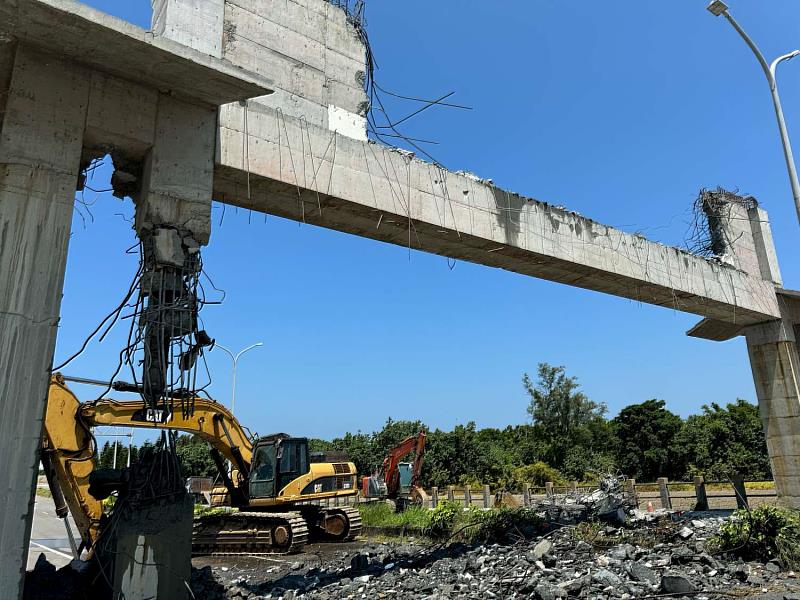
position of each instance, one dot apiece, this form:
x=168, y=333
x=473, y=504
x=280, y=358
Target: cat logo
x=317, y=488
x=152, y=415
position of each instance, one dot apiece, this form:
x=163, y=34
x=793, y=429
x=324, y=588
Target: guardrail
x=697, y=494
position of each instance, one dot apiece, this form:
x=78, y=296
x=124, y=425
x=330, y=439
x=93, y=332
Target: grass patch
x=44, y=492
x=450, y=520
x=201, y=510
x=381, y=514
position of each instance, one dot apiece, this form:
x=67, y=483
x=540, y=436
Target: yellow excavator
x=273, y=482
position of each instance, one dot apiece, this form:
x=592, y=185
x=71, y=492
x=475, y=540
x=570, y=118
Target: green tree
x=105, y=457
x=393, y=433
x=722, y=441
x=194, y=457
x=450, y=456
x=645, y=435
x=536, y=474
x=562, y=415
x=359, y=448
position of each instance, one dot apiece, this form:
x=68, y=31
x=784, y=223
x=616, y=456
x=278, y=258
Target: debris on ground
x=609, y=502
x=591, y=560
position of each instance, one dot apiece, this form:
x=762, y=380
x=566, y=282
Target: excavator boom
x=391, y=464
x=68, y=458
x=69, y=445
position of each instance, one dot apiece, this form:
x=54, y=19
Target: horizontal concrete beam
x=293, y=169
x=75, y=31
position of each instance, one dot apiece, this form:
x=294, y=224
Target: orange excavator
x=399, y=481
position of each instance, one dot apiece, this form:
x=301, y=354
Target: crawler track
x=353, y=520
x=241, y=533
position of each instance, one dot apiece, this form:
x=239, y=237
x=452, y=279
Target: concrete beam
x=40, y=152
x=295, y=169
x=107, y=44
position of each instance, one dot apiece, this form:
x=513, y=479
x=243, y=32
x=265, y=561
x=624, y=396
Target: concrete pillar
x=40, y=151
x=173, y=215
x=740, y=490
x=663, y=490
x=700, y=493
x=741, y=234
x=774, y=361
x=632, y=492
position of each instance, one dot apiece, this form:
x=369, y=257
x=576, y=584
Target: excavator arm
x=68, y=445
x=391, y=470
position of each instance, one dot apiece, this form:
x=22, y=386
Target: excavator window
x=293, y=460
x=262, y=472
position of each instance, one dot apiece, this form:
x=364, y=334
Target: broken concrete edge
x=108, y=44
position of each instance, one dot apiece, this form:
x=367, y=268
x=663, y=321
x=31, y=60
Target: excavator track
x=242, y=533
x=341, y=524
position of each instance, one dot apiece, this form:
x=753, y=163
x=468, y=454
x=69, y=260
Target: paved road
x=49, y=536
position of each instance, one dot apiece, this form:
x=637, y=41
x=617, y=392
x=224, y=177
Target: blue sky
x=618, y=110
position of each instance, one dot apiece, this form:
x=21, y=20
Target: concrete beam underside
x=40, y=151
x=291, y=168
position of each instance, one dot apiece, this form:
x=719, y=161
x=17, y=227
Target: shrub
x=442, y=518
x=536, y=474
x=764, y=533
x=504, y=525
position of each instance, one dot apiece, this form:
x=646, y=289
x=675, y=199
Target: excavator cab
x=277, y=461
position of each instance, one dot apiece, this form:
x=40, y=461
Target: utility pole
x=235, y=359
x=719, y=8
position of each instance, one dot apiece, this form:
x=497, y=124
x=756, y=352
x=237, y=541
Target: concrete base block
x=149, y=552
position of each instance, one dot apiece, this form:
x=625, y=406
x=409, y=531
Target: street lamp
x=717, y=8
x=235, y=359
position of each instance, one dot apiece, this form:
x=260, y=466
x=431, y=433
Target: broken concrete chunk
x=542, y=548
x=643, y=574
x=675, y=583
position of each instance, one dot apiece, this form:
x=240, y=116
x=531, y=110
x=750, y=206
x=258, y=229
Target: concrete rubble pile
x=666, y=558
x=609, y=502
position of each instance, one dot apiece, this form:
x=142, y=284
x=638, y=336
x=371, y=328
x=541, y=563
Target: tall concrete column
x=774, y=360
x=151, y=548
x=741, y=236
x=40, y=151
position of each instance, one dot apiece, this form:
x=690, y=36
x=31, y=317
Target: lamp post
x=235, y=359
x=719, y=8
